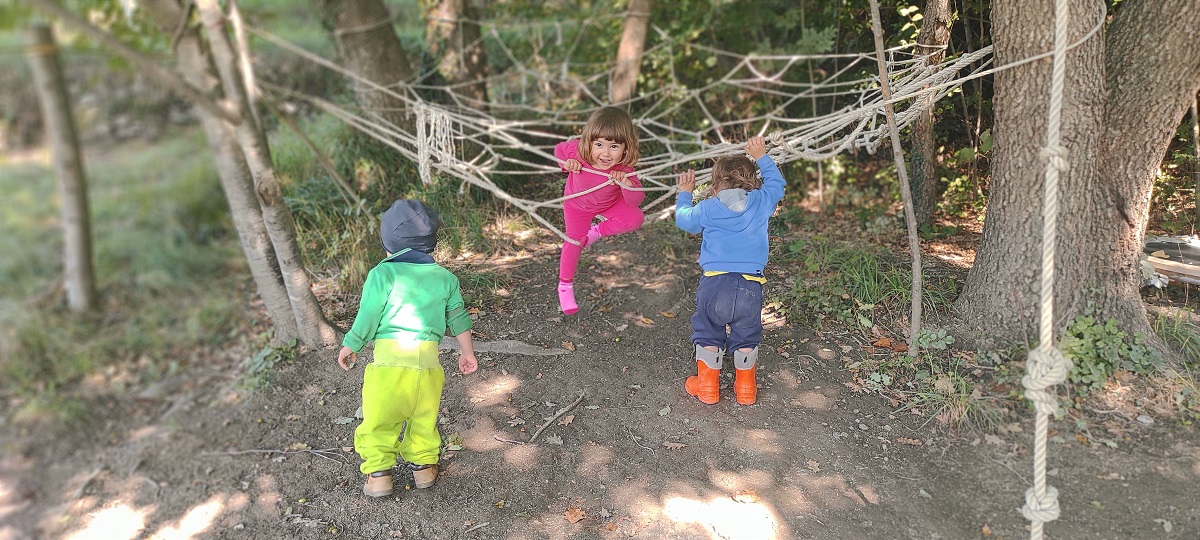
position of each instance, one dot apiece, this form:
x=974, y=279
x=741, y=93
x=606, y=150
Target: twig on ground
x=556, y=416
x=319, y=452
x=638, y=441
x=502, y=439
x=476, y=527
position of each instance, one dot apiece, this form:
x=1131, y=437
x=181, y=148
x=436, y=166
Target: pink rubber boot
x=566, y=297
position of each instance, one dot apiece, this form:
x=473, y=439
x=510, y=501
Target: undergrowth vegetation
x=162, y=244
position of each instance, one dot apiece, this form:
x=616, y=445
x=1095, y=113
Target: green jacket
x=407, y=301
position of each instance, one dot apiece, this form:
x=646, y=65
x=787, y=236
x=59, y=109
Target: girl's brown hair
x=614, y=124
x=735, y=172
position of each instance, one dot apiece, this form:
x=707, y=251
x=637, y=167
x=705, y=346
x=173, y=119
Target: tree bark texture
x=1124, y=97
x=935, y=34
x=629, y=53
x=454, y=39
x=194, y=65
x=78, y=273
x=368, y=46
x=315, y=330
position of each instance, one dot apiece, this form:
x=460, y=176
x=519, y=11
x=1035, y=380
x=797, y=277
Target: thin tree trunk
x=629, y=53
x=935, y=34
x=78, y=274
x=314, y=329
x=368, y=46
x=914, y=244
x=1196, y=157
x=453, y=37
x=194, y=65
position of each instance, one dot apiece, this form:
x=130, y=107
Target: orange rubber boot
x=705, y=384
x=744, y=386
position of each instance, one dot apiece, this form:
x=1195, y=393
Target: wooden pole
x=78, y=274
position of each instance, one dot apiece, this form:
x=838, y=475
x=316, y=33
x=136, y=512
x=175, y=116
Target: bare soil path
x=198, y=456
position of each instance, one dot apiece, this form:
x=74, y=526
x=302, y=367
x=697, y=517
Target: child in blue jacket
x=733, y=253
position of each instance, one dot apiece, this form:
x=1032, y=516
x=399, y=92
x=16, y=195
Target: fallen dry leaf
x=566, y=420
x=610, y=527
x=908, y=441
x=899, y=346
x=986, y=531
x=667, y=314
x=1082, y=438
x=674, y=445
x=299, y=446
x=813, y=465
x=514, y=422
x=568, y=345
x=883, y=343
x=574, y=515
x=746, y=496
x=992, y=439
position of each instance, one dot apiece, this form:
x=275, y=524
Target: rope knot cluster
x=1047, y=367
x=1044, y=509
x=1057, y=156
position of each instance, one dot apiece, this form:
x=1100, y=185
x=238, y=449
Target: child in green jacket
x=407, y=303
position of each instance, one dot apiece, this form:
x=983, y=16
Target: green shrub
x=1100, y=349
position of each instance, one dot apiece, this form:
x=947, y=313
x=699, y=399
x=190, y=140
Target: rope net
x=546, y=93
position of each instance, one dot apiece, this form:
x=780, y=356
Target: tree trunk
x=1124, y=98
x=935, y=34
x=368, y=46
x=1196, y=157
x=314, y=329
x=629, y=53
x=78, y=275
x=196, y=67
x=453, y=37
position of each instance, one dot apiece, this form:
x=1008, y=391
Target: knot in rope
x=1041, y=510
x=1057, y=156
x=1047, y=367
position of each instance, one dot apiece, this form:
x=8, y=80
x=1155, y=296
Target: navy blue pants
x=728, y=299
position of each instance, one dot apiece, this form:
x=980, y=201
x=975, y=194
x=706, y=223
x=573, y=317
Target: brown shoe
x=424, y=475
x=379, y=484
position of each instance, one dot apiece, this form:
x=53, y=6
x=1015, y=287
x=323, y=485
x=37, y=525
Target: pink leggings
x=622, y=218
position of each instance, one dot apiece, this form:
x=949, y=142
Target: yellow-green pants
x=402, y=384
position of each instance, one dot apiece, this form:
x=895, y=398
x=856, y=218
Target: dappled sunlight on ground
x=117, y=523
x=758, y=441
x=496, y=390
x=201, y=518
x=819, y=400
x=726, y=519
x=595, y=460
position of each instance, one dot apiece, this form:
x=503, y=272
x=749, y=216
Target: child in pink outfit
x=608, y=145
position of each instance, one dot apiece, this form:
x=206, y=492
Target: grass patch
x=162, y=243
x=854, y=285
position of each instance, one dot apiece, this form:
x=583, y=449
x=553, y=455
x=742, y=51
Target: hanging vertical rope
x=1047, y=365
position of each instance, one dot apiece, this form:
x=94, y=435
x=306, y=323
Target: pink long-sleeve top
x=603, y=198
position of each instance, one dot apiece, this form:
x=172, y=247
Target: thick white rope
x=1047, y=365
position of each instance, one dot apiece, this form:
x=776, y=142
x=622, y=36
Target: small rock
x=1145, y=419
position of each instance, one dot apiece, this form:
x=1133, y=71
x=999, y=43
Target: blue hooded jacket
x=733, y=223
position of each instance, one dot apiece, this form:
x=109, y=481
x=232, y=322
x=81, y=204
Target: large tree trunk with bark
x=368, y=46
x=1124, y=97
x=79, y=278
x=629, y=52
x=935, y=34
x=194, y=65
x=315, y=330
x=453, y=36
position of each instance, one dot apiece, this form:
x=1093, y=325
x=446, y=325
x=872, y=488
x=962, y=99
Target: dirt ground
x=199, y=456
